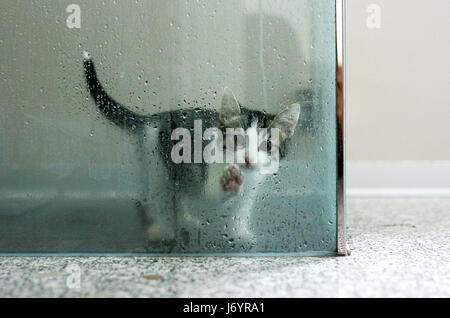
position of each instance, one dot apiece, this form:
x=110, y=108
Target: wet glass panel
x=98, y=99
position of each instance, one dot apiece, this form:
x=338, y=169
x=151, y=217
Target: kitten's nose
x=247, y=161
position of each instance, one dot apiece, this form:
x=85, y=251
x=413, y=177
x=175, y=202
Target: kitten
x=176, y=196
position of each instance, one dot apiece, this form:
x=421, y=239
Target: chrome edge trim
x=341, y=234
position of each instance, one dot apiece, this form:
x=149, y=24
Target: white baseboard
x=398, y=178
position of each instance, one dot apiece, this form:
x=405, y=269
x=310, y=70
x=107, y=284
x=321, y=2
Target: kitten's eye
x=240, y=141
x=266, y=146
x=269, y=147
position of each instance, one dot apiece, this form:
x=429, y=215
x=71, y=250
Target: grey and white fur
x=174, y=190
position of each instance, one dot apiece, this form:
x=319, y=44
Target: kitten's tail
x=111, y=109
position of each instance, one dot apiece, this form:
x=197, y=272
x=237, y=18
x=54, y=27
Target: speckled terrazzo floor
x=400, y=248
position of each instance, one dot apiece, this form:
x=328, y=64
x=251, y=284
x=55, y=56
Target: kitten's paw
x=231, y=178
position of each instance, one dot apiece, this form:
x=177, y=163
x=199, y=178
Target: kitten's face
x=259, y=147
x=250, y=151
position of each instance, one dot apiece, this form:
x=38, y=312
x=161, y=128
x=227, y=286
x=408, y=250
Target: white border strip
x=398, y=178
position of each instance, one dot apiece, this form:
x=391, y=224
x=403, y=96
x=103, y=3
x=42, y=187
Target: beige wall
x=398, y=81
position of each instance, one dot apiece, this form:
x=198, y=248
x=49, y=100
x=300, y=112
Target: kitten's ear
x=230, y=114
x=286, y=121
